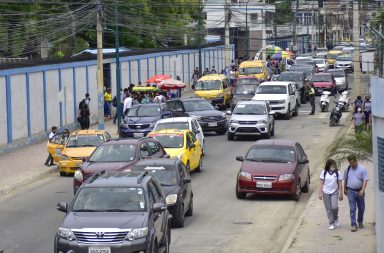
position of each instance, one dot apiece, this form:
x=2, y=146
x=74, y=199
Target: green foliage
x=357, y=144
x=284, y=13
x=378, y=18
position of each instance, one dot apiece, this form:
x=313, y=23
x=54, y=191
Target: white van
x=282, y=97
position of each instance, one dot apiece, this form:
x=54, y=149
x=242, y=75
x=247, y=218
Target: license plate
x=138, y=135
x=212, y=124
x=99, y=250
x=262, y=184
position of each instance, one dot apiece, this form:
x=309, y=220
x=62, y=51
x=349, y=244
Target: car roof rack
x=142, y=176
x=95, y=176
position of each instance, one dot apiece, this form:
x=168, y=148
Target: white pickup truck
x=282, y=96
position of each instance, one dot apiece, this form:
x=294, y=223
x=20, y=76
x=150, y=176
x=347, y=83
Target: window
x=300, y=153
x=144, y=152
x=153, y=147
x=108, y=136
x=193, y=137
x=254, y=17
x=189, y=140
x=195, y=127
x=154, y=192
x=307, y=18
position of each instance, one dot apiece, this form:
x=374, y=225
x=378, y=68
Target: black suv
x=208, y=117
x=300, y=79
x=116, y=212
x=176, y=184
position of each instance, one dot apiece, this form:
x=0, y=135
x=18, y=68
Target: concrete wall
x=32, y=99
x=377, y=94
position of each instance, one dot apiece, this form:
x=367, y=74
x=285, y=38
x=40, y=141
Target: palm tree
x=359, y=144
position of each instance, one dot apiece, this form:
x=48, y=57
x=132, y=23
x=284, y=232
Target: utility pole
x=294, y=33
x=263, y=35
x=246, y=31
x=226, y=39
x=100, y=77
x=118, y=69
x=356, y=56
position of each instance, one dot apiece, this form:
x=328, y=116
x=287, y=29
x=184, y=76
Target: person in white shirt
x=128, y=101
x=330, y=190
x=52, y=138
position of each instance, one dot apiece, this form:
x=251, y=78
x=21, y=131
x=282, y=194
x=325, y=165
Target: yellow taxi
x=215, y=88
x=77, y=148
x=255, y=68
x=331, y=57
x=182, y=144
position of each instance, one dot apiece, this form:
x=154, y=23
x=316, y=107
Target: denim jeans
x=355, y=201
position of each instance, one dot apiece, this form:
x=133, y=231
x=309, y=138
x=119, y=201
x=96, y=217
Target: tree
x=284, y=13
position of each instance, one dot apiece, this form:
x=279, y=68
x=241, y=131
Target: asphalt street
x=221, y=222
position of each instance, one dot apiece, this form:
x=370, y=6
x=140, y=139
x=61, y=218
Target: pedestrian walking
x=367, y=108
x=358, y=119
x=356, y=179
x=312, y=98
x=108, y=104
x=358, y=102
x=118, y=105
x=128, y=102
x=213, y=70
x=52, y=138
x=195, y=77
x=83, y=119
x=84, y=101
x=206, y=72
x=330, y=191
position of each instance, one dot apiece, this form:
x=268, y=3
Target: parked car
x=282, y=97
x=187, y=123
x=324, y=81
x=118, y=155
x=78, y=148
x=115, y=212
x=300, y=79
x=273, y=167
x=344, y=62
x=175, y=183
x=251, y=118
x=322, y=64
x=243, y=92
x=209, y=118
x=141, y=119
x=181, y=144
x=340, y=78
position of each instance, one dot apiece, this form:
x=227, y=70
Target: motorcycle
x=336, y=114
x=324, y=101
x=344, y=99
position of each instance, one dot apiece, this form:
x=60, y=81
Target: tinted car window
x=245, y=89
x=249, y=71
x=166, y=175
x=271, y=154
x=250, y=109
x=272, y=89
x=114, y=153
x=153, y=147
x=144, y=152
x=208, y=85
x=144, y=111
x=247, y=81
x=292, y=77
x=322, y=78
x=197, y=105
x=84, y=141
x=170, y=140
x=172, y=125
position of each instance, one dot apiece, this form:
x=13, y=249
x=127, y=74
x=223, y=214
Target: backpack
x=337, y=176
x=81, y=104
x=346, y=178
x=114, y=101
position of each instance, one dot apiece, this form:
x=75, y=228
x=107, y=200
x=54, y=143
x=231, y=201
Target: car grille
x=138, y=126
x=274, y=102
x=79, y=158
x=100, y=236
x=268, y=178
x=247, y=130
x=247, y=122
x=211, y=118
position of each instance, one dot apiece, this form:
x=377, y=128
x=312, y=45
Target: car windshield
x=338, y=73
x=243, y=81
x=250, y=109
x=172, y=125
x=343, y=58
x=144, y=111
x=114, y=153
x=320, y=61
x=84, y=141
x=332, y=56
x=197, y=105
x=208, y=85
x=290, y=77
x=271, y=89
x=259, y=153
x=305, y=61
x=167, y=175
x=321, y=78
x=249, y=71
x=170, y=140
x=109, y=199
x=245, y=90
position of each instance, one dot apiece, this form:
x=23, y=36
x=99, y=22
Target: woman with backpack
x=330, y=191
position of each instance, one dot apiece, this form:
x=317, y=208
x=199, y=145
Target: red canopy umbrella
x=157, y=78
x=170, y=84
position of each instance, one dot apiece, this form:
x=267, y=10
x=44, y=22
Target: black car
x=176, y=184
x=208, y=117
x=300, y=79
x=309, y=70
x=243, y=92
x=115, y=212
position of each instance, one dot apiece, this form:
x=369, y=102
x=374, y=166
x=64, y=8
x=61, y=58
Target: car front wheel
x=296, y=196
x=240, y=195
x=178, y=220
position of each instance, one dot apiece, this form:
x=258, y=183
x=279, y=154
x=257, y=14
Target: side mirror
x=62, y=207
x=192, y=145
x=228, y=112
x=84, y=160
x=186, y=180
x=304, y=161
x=239, y=158
x=159, y=207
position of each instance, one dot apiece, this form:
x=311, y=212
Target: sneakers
x=337, y=223
x=353, y=228
x=361, y=225
x=332, y=227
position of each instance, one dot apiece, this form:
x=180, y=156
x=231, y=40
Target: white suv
x=282, y=96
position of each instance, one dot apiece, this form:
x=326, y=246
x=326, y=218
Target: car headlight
x=245, y=176
x=223, y=115
x=152, y=124
x=286, y=177
x=79, y=176
x=64, y=158
x=264, y=121
x=137, y=233
x=65, y=233
x=171, y=199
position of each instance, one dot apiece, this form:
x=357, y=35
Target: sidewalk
x=312, y=233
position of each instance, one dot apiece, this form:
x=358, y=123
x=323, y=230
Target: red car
x=273, y=167
x=324, y=81
x=118, y=155
x=247, y=80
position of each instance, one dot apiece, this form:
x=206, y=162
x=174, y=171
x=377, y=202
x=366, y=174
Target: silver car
x=251, y=118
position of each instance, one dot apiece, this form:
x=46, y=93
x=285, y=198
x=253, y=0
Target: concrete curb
x=312, y=198
x=27, y=180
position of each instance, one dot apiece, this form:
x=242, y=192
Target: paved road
x=221, y=223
